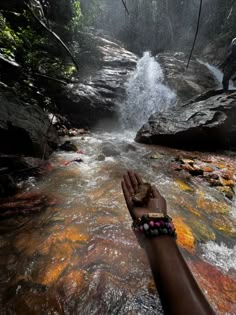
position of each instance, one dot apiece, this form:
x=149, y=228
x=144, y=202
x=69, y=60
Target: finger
x=133, y=180
x=138, y=178
x=128, y=198
x=155, y=192
x=128, y=184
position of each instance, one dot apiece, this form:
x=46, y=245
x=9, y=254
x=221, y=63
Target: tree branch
x=125, y=6
x=54, y=35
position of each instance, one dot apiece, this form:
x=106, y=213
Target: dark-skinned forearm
x=178, y=290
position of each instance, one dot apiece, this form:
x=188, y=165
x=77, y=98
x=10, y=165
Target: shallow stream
x=78, y=255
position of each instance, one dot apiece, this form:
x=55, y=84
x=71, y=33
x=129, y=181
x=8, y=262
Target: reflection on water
x=79, y=255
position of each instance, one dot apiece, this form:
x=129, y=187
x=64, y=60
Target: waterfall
x=217, y=75
x=146, y=94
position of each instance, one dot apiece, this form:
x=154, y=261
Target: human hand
x=156, y=202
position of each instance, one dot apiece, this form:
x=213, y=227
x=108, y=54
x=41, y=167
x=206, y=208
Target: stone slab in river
x=204, y=123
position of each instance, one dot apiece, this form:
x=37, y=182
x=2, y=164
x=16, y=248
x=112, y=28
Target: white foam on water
x=220, y=255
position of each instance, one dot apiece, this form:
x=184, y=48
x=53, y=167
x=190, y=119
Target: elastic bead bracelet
x=152, y=226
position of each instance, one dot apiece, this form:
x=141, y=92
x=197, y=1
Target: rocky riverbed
x=78, y=254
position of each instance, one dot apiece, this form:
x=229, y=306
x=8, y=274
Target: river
x=79, y=256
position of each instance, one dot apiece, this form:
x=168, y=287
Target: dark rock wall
x=24, y=127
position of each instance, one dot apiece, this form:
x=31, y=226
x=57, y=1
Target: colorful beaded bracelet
x=152, y=226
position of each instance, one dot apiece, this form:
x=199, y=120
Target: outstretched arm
x=178, y=290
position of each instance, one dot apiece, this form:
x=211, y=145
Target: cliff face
x=100, y=88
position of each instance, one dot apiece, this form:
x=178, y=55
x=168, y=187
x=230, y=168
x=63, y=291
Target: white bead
x=146, y=226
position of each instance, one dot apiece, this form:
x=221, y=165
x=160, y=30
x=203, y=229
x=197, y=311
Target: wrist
x=163, y=242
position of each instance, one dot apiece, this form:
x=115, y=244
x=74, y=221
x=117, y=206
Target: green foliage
x=91, y=10
x=9, y=40
x=77, y=19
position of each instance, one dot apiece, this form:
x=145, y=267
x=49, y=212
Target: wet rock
x=101, y=157
x=204, y=123
x=129, y=147
x=21, y=166
x=68, y=146
x=108, y=150
x=23, y=204
x=24, y=127
x=227, y=191
x=211, y=279
x=185, y=236
x=183, y=185
x=62, y=131
x=142, y=195
x=210, y=206
x=77, y=132
x=95, y=98
x=186, y=83
x=156, y=156
x=220, y=176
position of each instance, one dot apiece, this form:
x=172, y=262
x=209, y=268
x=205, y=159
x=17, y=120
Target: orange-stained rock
x=191, y=209
x=210, y=206
x=183, y=186
x=28, y=242
x=207, y=169
x=220, y=165
x=229, y=183
x=50, y=268
x=51, y=273
x=71, y=233
x=202, y=231
x=34, y=242
x=185, y=236
x=220, y=288
x=225, y=224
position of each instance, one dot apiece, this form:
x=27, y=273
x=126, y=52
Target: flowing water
x=79, y=255
x=146, y=94
x=217, y=75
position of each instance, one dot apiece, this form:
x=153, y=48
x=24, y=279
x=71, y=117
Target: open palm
x=155, y=203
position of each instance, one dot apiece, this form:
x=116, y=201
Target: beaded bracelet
x=152, y=225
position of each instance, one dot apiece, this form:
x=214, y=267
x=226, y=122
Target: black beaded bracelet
x=152, y=226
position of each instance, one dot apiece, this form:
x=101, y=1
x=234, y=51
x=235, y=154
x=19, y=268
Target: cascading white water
x=146, y=94
x=217, y=74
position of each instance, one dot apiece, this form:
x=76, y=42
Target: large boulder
x=101, y=85
x=24, y=128
x=206, y=122
x=187, y=83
